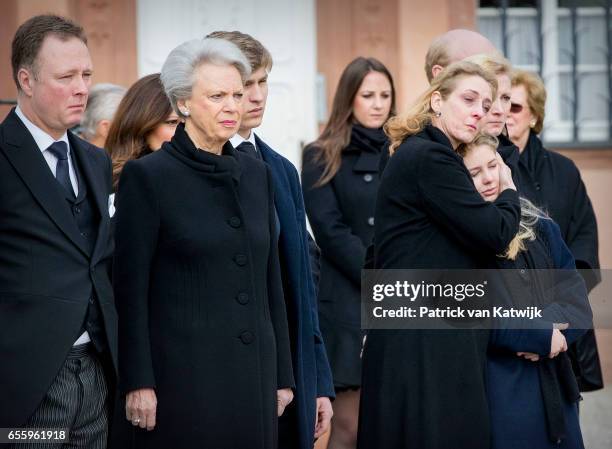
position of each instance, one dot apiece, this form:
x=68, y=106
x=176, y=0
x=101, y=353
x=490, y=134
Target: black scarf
x=532, y=153
x=368, y=139
x=510, y=154
x=182, y=147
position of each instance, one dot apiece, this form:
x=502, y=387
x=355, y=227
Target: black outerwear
x=48, y=274
x=425, y=389
x=510, y=154
x=199, y=296
x=341, y=213
x=552, y=182
x=299, y=273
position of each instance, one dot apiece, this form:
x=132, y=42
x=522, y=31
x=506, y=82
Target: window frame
x=558, y=132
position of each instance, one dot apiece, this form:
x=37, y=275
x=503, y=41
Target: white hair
x=103, y=101
x=177, y=73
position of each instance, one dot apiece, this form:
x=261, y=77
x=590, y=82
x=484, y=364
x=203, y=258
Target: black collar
x=182, y=147
x=435, y=134
x=533, y=154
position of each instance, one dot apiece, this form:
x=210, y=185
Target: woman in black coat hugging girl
x=426, y=389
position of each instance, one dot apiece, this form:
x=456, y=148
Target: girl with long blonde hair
x=531, y=366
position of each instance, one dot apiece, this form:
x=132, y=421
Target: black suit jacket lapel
x=23, y=153
x=94, y=176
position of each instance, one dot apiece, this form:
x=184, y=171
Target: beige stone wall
x=596, y=169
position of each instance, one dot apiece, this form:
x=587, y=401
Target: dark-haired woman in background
x=143, y=122
x=340, y=181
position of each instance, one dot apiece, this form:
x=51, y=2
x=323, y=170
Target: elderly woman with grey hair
x=204, y=344
x=103, y=101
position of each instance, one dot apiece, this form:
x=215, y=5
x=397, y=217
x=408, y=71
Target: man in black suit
x=59, y=325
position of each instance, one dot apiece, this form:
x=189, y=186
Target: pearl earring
x=185, y=113
x=438, y=114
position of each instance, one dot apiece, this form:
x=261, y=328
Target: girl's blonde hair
x=420, y=114
x=530, y=214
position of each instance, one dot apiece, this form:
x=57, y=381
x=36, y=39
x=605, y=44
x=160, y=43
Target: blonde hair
x=420, y=114
x=481, y=139
x=536, y=94
x=494, y=63
x=530, y=214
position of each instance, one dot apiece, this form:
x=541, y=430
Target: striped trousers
x=76, y=401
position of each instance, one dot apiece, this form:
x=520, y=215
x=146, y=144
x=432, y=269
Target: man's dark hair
x=31, y=35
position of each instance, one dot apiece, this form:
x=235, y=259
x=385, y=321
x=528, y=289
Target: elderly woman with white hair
x=204, y=343
x=102, y=104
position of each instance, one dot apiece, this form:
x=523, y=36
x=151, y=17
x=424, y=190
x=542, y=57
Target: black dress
x=426, y=389
x=198, y=291
x=341, y=214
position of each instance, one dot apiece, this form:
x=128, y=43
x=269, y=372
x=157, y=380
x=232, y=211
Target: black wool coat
x=552, y=182
x=426, y=389
x=199, y=296
x=299, y=257
x=341, y=214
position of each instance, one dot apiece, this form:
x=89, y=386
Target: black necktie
x=248, y=148
x=60, y=151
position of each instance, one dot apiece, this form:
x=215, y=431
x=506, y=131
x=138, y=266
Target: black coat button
x=242, y=298
x=368, y=177
x=76, y=209
x=240, y=259
x=371, y=221
x=538, y=186
x=247, y=337
x=235, y=222
x=91, y=300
